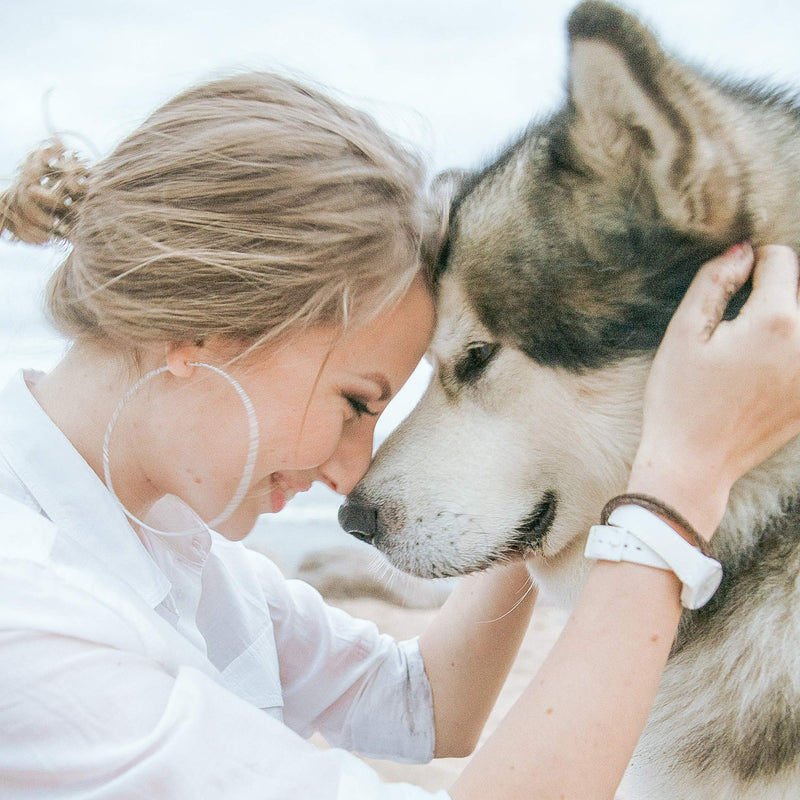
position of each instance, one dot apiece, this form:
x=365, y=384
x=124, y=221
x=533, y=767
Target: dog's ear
x=645, y=123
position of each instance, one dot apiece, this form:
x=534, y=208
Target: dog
x=561, y=264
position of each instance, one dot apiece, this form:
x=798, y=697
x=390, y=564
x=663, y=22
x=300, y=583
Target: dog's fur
x=563, y=263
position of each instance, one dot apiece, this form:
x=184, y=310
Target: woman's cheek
x=318, y=443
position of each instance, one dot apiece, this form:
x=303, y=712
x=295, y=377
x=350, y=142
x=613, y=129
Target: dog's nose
x=359, y=518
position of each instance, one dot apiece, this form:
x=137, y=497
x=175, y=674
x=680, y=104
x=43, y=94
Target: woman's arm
x=469, y=648
x=572, y=732
x=722, y=396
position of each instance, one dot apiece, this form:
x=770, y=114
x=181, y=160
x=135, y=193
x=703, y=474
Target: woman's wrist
x=701, y=499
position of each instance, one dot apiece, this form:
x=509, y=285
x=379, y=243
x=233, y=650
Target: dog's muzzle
x=359, y=518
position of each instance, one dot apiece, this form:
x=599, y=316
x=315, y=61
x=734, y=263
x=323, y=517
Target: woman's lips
x=278, y=499
x=283, y=491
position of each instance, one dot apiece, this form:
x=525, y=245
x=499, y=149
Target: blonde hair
x=245, y=208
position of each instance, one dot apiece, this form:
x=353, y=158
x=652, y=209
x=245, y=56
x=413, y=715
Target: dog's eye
x=474, y=362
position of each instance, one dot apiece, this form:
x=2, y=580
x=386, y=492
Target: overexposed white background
x=458, y=76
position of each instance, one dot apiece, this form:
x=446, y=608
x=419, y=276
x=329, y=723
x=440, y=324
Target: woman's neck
x=80, y=395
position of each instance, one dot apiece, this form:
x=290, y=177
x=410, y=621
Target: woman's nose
x=351, y=460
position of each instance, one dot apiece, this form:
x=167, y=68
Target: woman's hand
x=722, y=396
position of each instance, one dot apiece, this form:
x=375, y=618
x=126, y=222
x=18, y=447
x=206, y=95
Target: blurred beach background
x=456, y=79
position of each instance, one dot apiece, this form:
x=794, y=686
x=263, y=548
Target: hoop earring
x=247, y=474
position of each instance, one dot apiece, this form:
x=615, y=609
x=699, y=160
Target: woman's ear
x=180, y=358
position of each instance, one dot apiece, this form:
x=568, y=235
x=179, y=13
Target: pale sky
x=457, y=77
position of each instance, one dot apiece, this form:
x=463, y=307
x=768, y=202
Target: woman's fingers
x=775, y=279
x=723, y=396
x=704, y=303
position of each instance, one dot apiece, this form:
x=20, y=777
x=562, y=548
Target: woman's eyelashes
x=359, y=405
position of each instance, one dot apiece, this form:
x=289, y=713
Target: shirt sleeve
x=80, y=718
x=359, y=688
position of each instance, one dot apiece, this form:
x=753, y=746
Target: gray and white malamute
x=562, y=264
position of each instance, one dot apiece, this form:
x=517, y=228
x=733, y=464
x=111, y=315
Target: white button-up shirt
x=137, y=665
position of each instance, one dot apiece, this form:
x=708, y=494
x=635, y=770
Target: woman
x=244, y=297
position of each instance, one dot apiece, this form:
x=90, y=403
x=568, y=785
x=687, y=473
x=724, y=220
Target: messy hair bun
x=41, y=203
x=245, y=209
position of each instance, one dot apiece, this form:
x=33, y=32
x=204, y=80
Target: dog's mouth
x=530, y=533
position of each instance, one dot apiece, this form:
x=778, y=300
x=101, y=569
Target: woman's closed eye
x=359, y=405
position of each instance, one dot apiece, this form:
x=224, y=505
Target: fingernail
x=741, y=250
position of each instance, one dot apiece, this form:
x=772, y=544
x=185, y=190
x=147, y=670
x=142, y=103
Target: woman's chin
x=278, y=499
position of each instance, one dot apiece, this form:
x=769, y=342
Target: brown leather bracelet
x=657, y=507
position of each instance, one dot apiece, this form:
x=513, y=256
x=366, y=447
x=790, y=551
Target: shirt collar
x=70, y=493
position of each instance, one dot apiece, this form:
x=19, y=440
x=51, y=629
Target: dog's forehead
x=457, y=321
x=520, y=271
x=487, y=214
x=569, y=291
